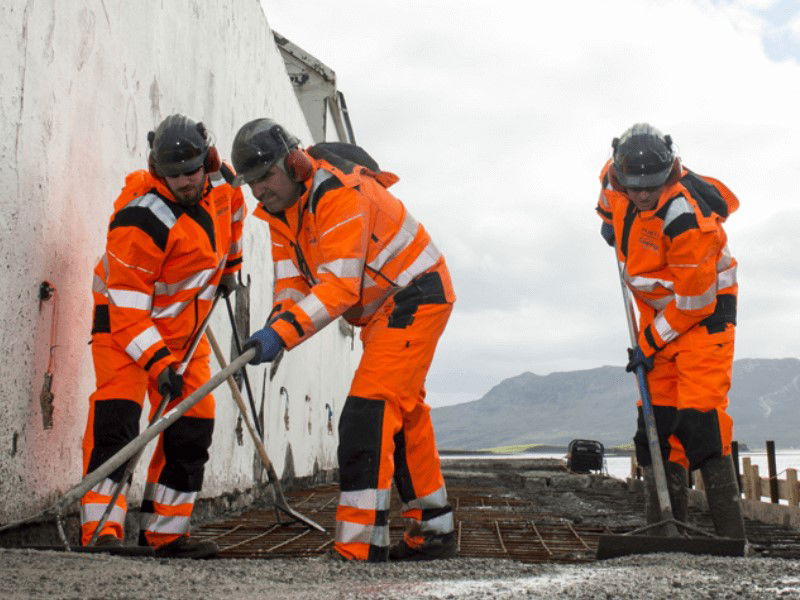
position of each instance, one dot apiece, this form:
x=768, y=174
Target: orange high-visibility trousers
x=689, y=386
x=385, y=429
x=175, y=474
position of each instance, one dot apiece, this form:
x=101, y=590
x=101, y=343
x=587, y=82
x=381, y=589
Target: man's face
x=275, y=190
x=644, y=198
x=187, y=187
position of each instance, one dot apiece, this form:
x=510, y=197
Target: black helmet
x=258, y=145
x=643, y=157
x=178, y=145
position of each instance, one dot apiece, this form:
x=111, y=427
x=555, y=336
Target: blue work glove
x=635, y=358
x=267, y=344
x=607, y=231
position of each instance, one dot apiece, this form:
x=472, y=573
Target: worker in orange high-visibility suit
x=666, y=224
x=174, y=239
x=342, y=245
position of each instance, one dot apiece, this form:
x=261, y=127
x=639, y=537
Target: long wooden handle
x=237, y=397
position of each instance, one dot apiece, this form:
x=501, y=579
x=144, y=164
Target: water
x=620, y=466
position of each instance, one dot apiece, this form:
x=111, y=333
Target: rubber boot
x=678, y=486
x=652, y=510
x=722, y=493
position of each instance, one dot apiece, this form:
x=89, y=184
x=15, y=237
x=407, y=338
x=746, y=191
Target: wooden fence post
x=793, y=495
x=748, y=484
x=772, y=469
x=755, y=477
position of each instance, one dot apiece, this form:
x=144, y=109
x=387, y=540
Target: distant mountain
x=600, y=404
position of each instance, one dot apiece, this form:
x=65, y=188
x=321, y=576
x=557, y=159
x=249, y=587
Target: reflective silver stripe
x=165, y=495
x=160, y=524
x=423, y=262
x=658, y=304
x=94, y=512
x=142, y=342
x=197, y=280
x=238, y=215
x=122, y=262
x=664, y=329
x=149, y=491
x=289, y=294
x=697, y=302
x=679, y=206
x=726, y=278
x=130, y=299
x=367, y=282
x=235, y=247
x=327, y=231
x=106, y=487
x=436, y=499
x=170, y=311
x=157, y=206
x=320, y=177
x=316, y=311
x=99, y=286
x=355, y=533
x=370, y=499
x=647, y=284
x=343, y=267
x=402, y=240
x=285, y=269
x=725, y=259
x=441, y=524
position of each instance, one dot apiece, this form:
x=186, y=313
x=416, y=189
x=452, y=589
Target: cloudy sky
x=498, y=117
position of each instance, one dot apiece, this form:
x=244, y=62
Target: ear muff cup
x=612, y=178
x=213, y=162
x=298, y=165
x=151, y=165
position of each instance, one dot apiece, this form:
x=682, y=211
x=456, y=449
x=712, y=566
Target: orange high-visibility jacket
x=676, y=258
x=157, y=279
x=344, y=247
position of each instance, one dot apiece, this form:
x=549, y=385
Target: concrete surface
x=28, y=574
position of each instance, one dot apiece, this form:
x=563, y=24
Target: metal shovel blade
x=612, y=546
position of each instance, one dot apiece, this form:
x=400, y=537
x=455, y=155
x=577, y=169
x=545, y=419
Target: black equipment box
x=584, y=456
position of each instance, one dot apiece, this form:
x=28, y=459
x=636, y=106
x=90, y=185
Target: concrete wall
x=81, y=84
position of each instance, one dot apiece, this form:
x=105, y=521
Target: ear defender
x=151, y=165
x=298, y=166
x=213, y=161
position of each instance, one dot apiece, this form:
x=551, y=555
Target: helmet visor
x=182, y=157
x=256, y=164
x=641, y=178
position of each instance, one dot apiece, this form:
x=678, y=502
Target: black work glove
x=169, y=382
x=636, y=357
x=228, y=284
x=607, y=231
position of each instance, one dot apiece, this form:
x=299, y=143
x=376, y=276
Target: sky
x=498, y=118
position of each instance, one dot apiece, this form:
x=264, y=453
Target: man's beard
x=189, y=195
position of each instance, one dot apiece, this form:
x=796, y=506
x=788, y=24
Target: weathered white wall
x=81, y=84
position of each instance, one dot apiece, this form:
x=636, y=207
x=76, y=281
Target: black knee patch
x=665, y=424
x=359, y=452
x=116, y=422
x=186, y=444
x=699, y=433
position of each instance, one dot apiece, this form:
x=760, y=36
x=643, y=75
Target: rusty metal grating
x=486, y=526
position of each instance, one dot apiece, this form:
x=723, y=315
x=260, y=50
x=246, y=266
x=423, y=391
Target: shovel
x=132, y=447
x=279, y=499
x=165, y=399
x=677, y=532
